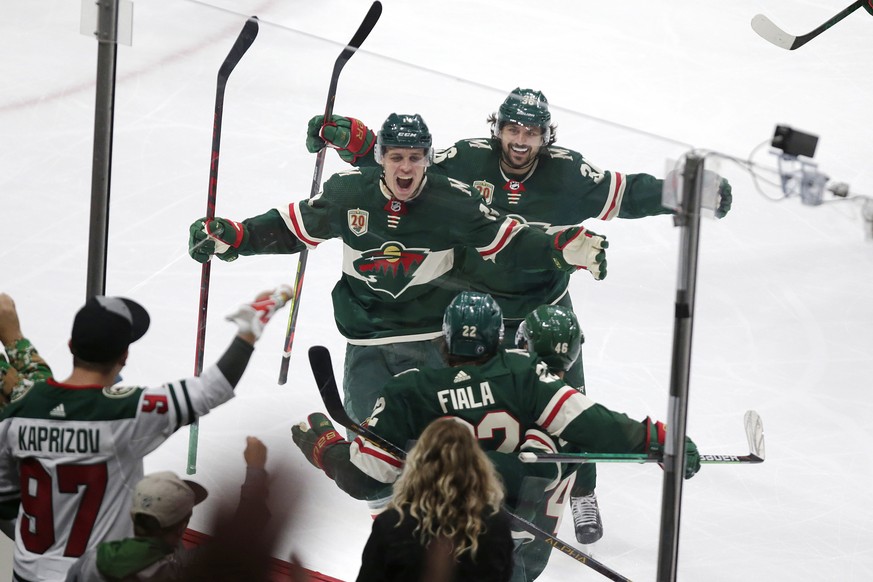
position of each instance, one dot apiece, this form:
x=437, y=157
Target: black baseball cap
x=106, y=326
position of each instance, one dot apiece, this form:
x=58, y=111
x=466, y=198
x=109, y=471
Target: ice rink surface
x=784, y=312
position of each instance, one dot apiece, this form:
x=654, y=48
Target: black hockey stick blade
x=322, y=370
x=364, y=30
x=775, y=35
x=366, y=26
x=243, y=42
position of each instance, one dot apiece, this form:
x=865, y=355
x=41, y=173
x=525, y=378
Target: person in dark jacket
x=444, y=521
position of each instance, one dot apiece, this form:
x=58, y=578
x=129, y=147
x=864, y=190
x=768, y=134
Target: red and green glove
x=316, y=437
x=582, y=249
x=349, y=136
x=220, y=237
x=656, y=433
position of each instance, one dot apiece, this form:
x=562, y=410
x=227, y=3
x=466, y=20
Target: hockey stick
x=772, y=33
x=322, y=369
x=754, y=433
x=243, y=42
x=357, y=40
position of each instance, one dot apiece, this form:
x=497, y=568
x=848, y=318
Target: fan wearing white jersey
x=71, y=451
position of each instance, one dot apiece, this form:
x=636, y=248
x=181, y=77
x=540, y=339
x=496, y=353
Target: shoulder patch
x=486, y=190
x=560, y=153
x=20, y=391
x=359, y=221
x=119, y=391
x=462, y=186
x=354, y=171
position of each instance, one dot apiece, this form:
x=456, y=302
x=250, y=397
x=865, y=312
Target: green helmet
x=552, y=333
x=525, y=107
x=404, y=131
x=473, y=325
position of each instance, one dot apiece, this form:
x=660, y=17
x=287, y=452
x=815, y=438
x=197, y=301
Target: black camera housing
x=793, y=142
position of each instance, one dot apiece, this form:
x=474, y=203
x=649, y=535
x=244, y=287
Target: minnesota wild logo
x=389, y=268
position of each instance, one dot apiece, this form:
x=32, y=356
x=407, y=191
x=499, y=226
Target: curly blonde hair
x=448, y=486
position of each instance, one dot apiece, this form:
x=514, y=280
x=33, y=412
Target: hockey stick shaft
x=243, y=42
x=772, y=33
x=322, y=369
x=358, y=39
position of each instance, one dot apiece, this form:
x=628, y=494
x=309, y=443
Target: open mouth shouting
x=404, y=183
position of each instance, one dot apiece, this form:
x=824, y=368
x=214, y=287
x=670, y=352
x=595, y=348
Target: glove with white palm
x=582, y=249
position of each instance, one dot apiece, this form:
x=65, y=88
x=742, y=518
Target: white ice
x=785, y=292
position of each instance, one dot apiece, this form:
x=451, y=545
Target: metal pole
x=107, y=36
x=688, y=219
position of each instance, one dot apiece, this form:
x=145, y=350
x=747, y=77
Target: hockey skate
x=586, y=518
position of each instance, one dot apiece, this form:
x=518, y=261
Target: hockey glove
x=724, y=199
x=220, y=237
x=868, y=6
x=315, y=438
x=656, y=433
x=582, y=249
x=252, y=317
x=349, y=136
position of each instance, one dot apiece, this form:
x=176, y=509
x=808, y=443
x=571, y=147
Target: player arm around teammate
x=467, y=221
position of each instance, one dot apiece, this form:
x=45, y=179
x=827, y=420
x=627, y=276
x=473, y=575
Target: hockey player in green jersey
x=510, y=400
x=552, y=334
x=400, y=226
x=520, y=171
x=70, y=450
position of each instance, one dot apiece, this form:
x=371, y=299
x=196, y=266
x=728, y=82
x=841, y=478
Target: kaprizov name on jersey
x=45, y=439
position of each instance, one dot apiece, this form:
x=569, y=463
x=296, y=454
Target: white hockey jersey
x=71, y=455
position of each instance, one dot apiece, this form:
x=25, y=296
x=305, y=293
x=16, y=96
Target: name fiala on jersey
x=464, y=397
x=58, y=440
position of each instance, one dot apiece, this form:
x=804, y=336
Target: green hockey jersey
x=398, y=270
x=562, y=189
x=511, y=403
x=503, y=401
